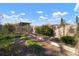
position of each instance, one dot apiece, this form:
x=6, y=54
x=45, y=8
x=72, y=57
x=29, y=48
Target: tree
x=62, y=24
x=38, y=30
x=45, y=30
x=77, y=35
x=9, y=27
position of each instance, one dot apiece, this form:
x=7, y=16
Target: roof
x=23, y=23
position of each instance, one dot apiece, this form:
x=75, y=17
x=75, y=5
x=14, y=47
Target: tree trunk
x=77, y=36
x=63, y=30
x=77, y=40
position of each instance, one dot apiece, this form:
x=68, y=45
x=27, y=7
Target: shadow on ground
x=19, y=49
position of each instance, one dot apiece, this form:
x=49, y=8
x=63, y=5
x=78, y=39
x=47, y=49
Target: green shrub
x=31, y=42
x=5, y=40
x=68, y=40
x=35, y=47
x=24, y=38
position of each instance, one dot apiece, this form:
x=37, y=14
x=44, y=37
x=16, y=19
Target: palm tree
x=77, y=35
x=62, y=24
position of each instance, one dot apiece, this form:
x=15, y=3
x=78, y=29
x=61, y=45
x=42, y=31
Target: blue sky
x=39, y=13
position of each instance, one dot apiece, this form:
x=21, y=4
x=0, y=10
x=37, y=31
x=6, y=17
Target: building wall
x=25, y=28
x=68, y=31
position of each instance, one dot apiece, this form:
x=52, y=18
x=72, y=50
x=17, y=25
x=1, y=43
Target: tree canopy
x=45, y=30
x=62, y=22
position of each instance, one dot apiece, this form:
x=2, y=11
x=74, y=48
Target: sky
x=38, y=13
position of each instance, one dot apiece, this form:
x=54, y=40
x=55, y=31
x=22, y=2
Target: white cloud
x=43, y=17
x=54, y=20
x=14, y=18
x=59, y=14
x=5, y=16
x=76, y=9
x=39, y=12
x=64, y=13
x=13, y=12
x=24, y=20
x=22, y=14
x=10, y=18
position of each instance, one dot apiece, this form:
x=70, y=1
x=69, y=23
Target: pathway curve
x=50, y=49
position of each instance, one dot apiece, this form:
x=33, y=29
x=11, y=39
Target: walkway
x=50, y=49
